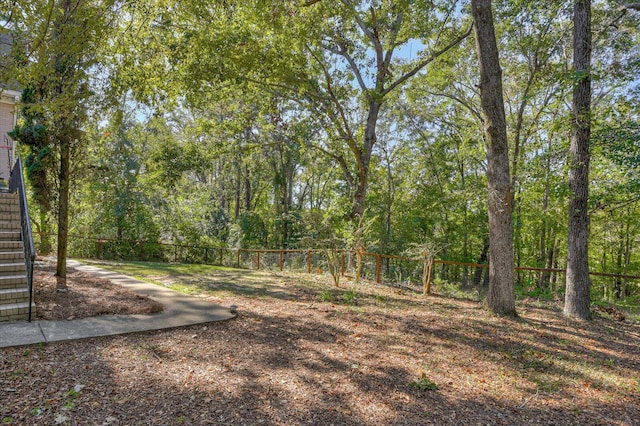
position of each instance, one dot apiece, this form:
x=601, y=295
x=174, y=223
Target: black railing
x=16, y=183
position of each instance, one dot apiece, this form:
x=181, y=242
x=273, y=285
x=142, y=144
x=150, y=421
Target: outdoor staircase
x=14, y=288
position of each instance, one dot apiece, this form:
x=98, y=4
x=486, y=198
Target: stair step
x=9, y=208
x=13, y=281
x=9, y=216
x=10, y=225
x=10, y=245
x=11, y=268
x=11, y=255
x=11, y=200
x=14, y=295
x=16, y=311
x=6, y=235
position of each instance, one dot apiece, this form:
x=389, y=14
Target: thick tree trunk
x=63, y=133
x=63, y=211
x=360, y=193
x=578, y=286
x=501, y=296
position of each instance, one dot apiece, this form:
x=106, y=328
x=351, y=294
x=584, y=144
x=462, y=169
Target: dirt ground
x=84, y=296
x=303, y=352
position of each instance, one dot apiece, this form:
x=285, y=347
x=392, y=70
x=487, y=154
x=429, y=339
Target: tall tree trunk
x=221, y=187
x=247, y=188
x=238, y=189
x=63, y=210
x=578, y=286
x=617, y=285
x=501, y=296
x=627, y=260
x=364, y=158
x=63, y=133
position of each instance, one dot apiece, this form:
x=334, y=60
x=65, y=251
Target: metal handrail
x=16, y=183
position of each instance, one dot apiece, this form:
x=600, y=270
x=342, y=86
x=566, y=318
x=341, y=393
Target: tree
x=367, y=50
x=578, y=285
x=60, y=41
x=341, y=62
x=501, y=296
x=31, y=133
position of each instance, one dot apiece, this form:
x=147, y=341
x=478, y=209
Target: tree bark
x=501, y=295
x=477, y=277
x=370, y=138
x=63, y=210
x=578, y=285
x=247, y=188
x=64, y=130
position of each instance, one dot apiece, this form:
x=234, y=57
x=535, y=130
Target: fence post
x=221, y=253
x=99, y=248
x=378, y=268
x=238, y=262
x=309, y=261
x=175, y=253
x=342, y=266
x=258, y=260
x=206, y=255
x=281, y=260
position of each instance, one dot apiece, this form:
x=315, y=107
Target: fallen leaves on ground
x=85, y=296
x=291, y=358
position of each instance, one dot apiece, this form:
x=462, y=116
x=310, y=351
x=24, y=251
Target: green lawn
x=218, y=281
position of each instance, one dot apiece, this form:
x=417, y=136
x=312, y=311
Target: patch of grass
x=154, y=268
x=326, y=296
x=452, y=289
x=186, y=289
x=380, y=299
x=349, y=297
x=423, y=384
x=194, y=279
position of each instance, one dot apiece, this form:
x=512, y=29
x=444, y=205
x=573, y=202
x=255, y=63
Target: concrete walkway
x=179, y=310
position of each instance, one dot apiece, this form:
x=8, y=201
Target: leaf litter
x=292, y=358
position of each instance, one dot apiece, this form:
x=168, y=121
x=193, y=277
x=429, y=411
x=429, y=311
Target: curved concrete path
x=179, y=310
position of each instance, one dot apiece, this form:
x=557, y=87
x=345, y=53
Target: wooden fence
x=376, y=266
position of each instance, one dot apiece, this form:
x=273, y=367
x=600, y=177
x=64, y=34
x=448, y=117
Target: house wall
x=7, y=122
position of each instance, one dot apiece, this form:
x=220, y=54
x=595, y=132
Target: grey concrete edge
x=180, y=310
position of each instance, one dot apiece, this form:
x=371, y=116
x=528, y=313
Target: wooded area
x=342, y=125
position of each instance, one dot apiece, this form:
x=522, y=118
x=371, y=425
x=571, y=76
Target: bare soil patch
x=303, y=352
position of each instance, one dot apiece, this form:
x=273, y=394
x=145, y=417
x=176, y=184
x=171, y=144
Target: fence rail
x=383, y=268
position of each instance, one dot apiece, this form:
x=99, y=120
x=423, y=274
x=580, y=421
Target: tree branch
x=632, y=6
x=394, y=35
x=342, y=51
x=336, y=102
x=341, y=162
x=428, y=60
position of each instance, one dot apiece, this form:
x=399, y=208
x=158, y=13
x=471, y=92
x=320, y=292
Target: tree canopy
x=272, y=124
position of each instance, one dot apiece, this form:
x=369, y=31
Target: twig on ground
x=529, y=399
